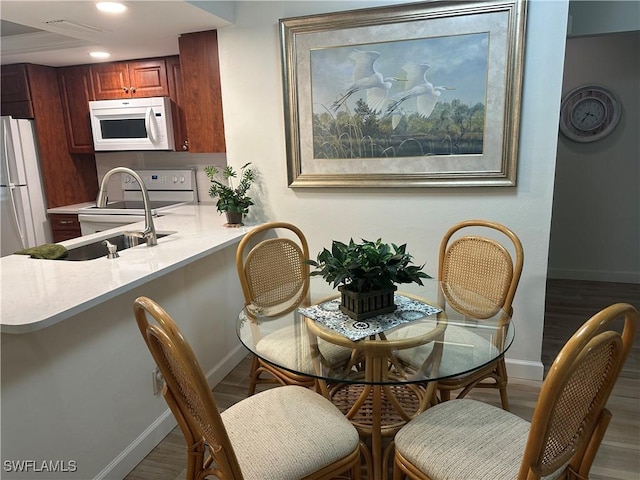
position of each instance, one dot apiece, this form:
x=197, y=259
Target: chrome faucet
x=149, y=233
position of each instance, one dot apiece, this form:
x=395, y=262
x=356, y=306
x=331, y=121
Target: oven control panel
x=182, y=179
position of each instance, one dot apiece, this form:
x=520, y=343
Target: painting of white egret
x=419, y=95
x=400, y=99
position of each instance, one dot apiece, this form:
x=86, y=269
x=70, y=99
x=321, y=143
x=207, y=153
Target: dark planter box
x=366, y=304
x=234, y=218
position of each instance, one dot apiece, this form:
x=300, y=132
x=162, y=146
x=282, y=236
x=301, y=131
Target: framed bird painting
x=416, y=95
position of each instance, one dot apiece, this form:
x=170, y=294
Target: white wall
x=596, y=213
x=595, y=17
x=254, y=124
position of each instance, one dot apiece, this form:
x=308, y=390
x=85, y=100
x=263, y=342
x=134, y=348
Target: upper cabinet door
x=16, y=95
x=15, y=83
x=140, y=78
x=76, y=92
x=148, y=78
x=110, y=80
x=176, y=92
x=202, y=92
x=67, y=178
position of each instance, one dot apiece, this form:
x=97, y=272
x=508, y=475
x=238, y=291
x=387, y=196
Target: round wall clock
x=589, y=113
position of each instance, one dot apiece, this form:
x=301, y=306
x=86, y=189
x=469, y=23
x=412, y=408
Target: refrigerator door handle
x=15, y=218
x=11, y=186
x=8, y=181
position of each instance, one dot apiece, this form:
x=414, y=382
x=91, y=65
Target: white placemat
x=329, y=314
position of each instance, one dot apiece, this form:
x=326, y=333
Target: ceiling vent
x=70, y=25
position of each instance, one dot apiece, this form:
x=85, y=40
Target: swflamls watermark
x=39, y=466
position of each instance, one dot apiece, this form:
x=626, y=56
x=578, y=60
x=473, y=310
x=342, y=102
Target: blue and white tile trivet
x=329, y=314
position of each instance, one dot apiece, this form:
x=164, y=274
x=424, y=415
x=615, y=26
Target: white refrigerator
x=23, y=213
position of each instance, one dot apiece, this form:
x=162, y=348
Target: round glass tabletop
x=437, y=331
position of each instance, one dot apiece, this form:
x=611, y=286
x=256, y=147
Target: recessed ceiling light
x=100, y=54
x=111, y=7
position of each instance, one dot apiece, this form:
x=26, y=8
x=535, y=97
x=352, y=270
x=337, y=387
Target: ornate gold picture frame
x=416, y=95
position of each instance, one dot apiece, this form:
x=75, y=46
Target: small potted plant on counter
x=366, y=273
x=232, y=200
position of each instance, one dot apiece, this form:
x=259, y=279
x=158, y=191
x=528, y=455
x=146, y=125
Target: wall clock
x=589, y=113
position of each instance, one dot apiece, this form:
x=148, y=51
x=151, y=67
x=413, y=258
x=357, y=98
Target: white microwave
x=132, y=124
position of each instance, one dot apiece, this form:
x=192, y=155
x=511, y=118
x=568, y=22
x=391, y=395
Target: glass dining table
x=382, y=371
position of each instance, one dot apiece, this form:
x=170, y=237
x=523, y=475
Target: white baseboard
x=126, y=461
x=231, y=361
x=594, y=275
x=525, y=369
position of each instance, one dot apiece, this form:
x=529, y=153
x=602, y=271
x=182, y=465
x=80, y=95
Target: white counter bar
x=38, y=293
x=77, y=379
x=70, y=209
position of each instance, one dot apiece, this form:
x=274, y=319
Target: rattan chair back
x=479, y=274
x=479, y=277
x=274, y=274
x=570, y=417
x=188, y=394
x=274, y=277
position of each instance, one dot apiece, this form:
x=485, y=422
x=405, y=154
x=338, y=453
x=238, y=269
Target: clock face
x=589, y=113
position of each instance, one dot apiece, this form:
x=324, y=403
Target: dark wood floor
x=568, y=305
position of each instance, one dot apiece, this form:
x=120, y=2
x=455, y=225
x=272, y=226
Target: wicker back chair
x=454, y=439
x=257, y=438
x=275, y=280
x=273, y=273
x=480, y=278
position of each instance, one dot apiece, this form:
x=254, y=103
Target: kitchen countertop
x=39, y=293
x=70, y=209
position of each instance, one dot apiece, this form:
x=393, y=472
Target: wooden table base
x=379, y=411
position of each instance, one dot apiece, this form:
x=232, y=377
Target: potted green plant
x=366, y=273
x=232, y=200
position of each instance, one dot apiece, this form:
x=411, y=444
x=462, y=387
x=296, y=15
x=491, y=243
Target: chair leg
x=195, y=460
x=502, y=384
x=445, y=395
x=356, y=472
x=253, y=375
x=397, y=472
x=403, y=470
x=504, y=399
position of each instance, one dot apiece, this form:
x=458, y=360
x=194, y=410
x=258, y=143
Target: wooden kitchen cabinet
x=130, y=79
x=76, y=91
x=15, y=92
x=67, y=178
x=64, y=227
x=176, y=92
x=191, y=80
x=199, y=63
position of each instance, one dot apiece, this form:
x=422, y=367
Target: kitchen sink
x=98, y=249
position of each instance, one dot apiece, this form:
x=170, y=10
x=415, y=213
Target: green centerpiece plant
x=366, y=274
x=232, y=200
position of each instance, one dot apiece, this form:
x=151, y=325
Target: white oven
x=166, y=188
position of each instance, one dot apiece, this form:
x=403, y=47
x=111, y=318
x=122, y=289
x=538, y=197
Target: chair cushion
x=465, y=350
x=282, y=349
x=466, y=440
x=287, y=433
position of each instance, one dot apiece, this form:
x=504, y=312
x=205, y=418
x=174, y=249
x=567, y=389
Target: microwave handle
x=150, y=125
